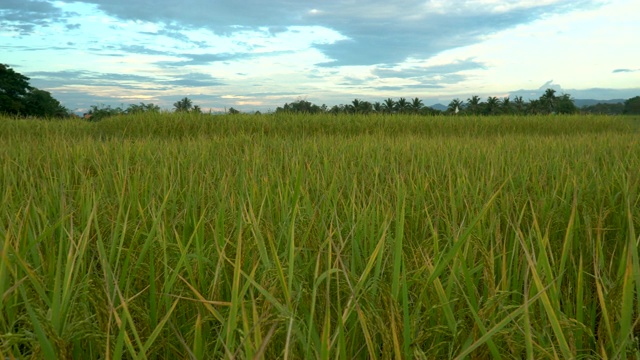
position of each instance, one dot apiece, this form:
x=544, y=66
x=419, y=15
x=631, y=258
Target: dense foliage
x=173, y=236
x=604, y=109
x=17, y=97
x=632, y=106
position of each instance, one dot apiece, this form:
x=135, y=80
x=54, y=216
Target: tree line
x=18, y=97
x=548, y=103
x=184, y=105
x=629, y=106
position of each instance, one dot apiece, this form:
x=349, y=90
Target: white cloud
x=328, y=51
x=577, y=50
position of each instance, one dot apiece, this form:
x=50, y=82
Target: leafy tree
x=233, y=111
x=17, y=97
x=184, y=105
x=632, y=106
x=564, y=105
x=40, y=103
x=13, y=88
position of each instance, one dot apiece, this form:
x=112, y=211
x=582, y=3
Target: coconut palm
x=519, y=105
x=402, y=105
x=356, y=105
x=365, y=107
x=473, y=104
x=549, y=101
x=416, y=105
x=492, y=106
x=360, y=107
x=183, y=105
x=389, y=105
x=535, y=107
x=506, y=105
x=455, y=106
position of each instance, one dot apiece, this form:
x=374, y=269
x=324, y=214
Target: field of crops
x=334, y=237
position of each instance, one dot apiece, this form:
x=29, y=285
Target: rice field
x=331, y=237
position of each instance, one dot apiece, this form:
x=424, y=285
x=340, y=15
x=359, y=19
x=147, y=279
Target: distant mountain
x=439, y=107
x=589, y=102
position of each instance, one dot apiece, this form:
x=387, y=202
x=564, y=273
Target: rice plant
x=292, y=236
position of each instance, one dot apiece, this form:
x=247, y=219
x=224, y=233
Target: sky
x=258, y=55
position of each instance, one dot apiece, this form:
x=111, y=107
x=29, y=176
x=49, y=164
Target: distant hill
x=439, y=107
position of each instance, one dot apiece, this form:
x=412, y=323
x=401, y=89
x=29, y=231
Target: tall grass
x=296, y=236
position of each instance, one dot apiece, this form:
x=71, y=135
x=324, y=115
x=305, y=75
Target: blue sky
x=257, y=55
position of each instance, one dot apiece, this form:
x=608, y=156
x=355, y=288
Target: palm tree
x=360, y=107
x=473, y=104
x=349, y=109
x=519, y=105
x=377, y=107
x=402, y=105
x=506, y=105
x=183, y=105
x=355, y=105
x=548, y=100
x=493, y=105
x=389, y=105
x=337, y=109
x=535, y=107
x=365, y=107
x=416, y=105
x=455, y=106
